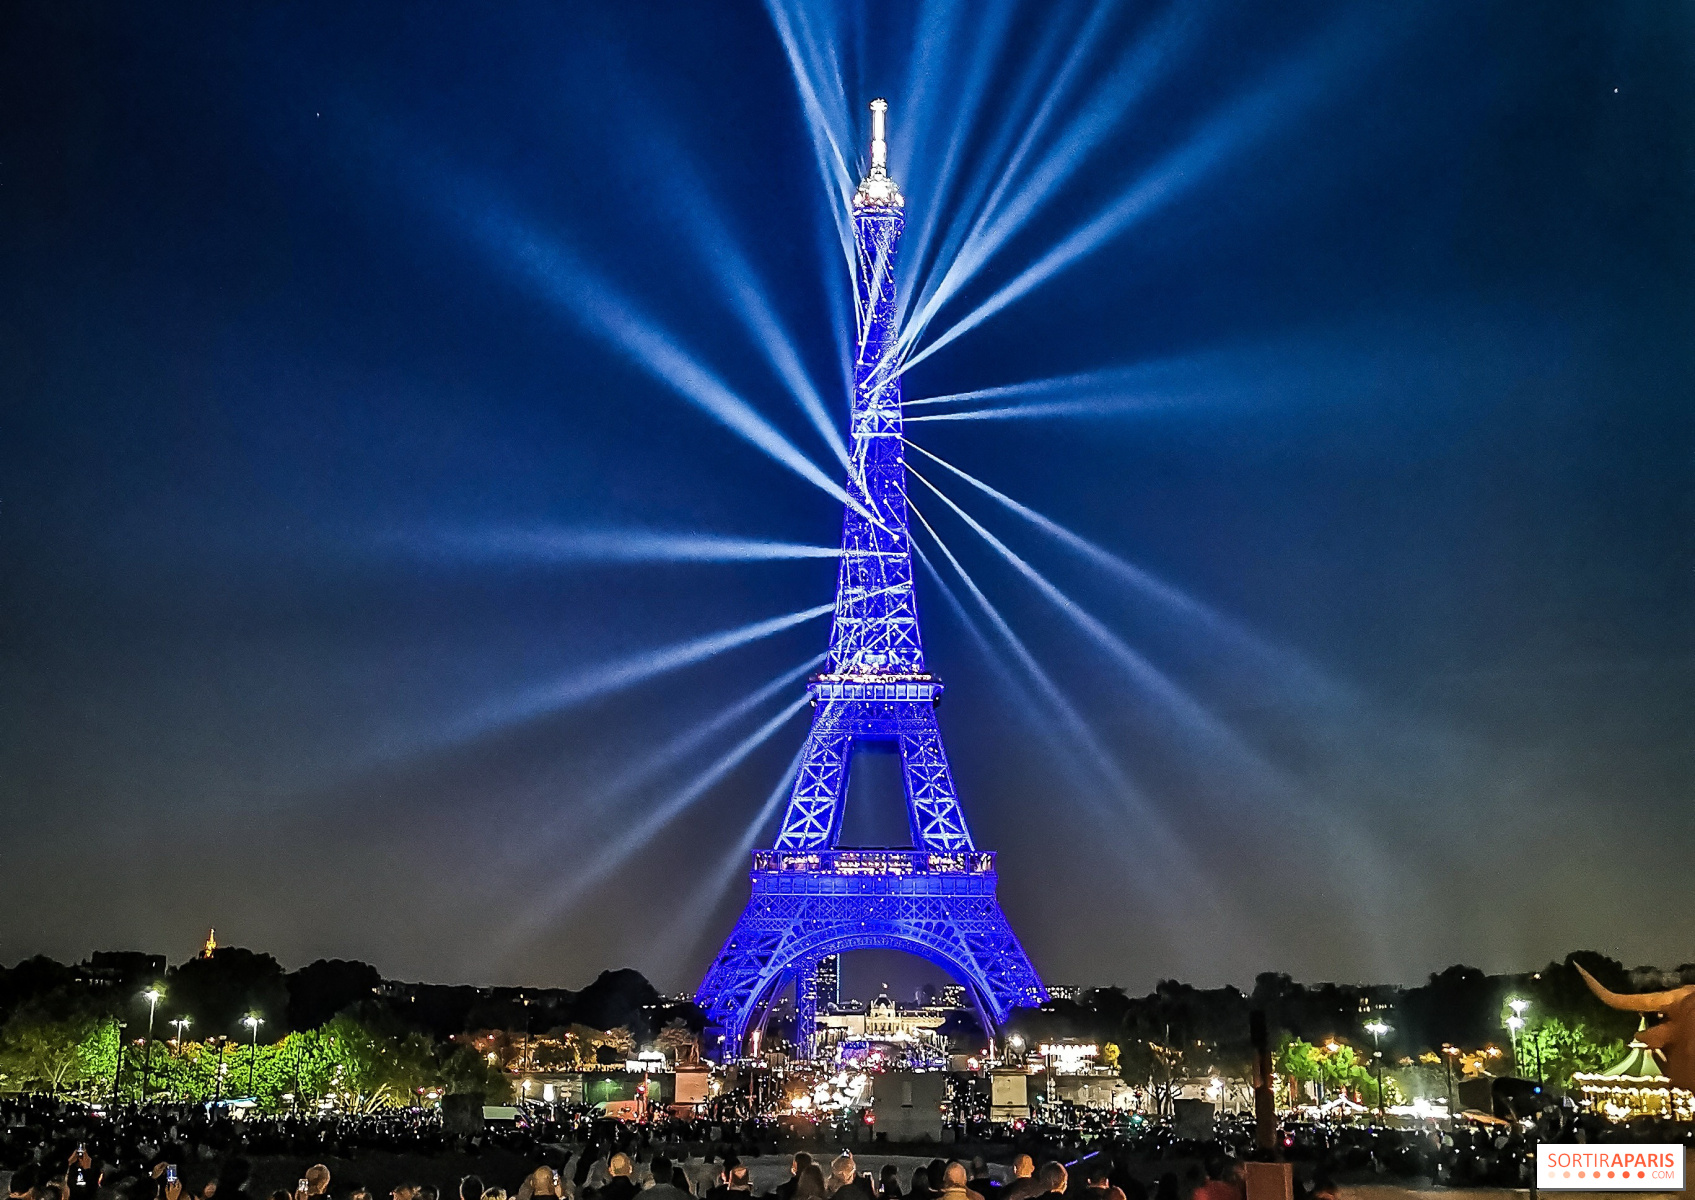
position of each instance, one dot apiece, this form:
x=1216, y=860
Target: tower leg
x=806, y=1006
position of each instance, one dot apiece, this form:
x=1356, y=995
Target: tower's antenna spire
x=879, y=137
x=877, y=190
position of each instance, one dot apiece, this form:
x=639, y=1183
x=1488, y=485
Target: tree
x=679, y=1041
x=218, y=991
x=56, y=1043
x=371, y=1068
x=1299, y=1060
x=1109, y=1056
x=1563, y=1049
x=618, y=999
x=320, y=990
x=620, y=1039
x=464, y=1071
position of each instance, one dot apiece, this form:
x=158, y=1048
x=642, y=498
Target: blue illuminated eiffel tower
x=811, y=898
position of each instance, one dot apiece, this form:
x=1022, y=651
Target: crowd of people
x=62, y=1151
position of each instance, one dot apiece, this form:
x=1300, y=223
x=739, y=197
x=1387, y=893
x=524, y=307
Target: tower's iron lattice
x=812, y=898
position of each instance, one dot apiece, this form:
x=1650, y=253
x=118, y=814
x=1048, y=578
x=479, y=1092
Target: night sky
x=342, y=458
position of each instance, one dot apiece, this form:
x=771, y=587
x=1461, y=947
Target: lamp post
x=1514, y=1024
x=1377, y=1029
x=252, y=1022
x=1448, y=1055
x=152, y=995
x=527, y=1070
x=118, y=1074
x=181, y=1024
x=219, y=1095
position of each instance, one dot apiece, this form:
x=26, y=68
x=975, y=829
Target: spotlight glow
x=544, y=544
x=1239, y=124
x=624, y=673
x=609, y=858
x=995, y=226
x=1063, y=708
x=988, y=29
x=686, y=743
x=1138, y=667
x=696, y=911
x=1312, y=682
x=823, y=97
x=1039, y=78
x=1174, y=879
x=1051, y=408
x=569, y=281
x=725, y=257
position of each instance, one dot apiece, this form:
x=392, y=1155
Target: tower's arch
x=799, y=963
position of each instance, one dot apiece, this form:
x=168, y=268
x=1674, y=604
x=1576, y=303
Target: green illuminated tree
x=56, y=1045
x=372, y=1069
x=463, y=1070
x=1563, y=1049
x=1300, y=1060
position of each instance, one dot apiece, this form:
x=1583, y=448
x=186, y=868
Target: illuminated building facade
x=813, y=899
x=882, y=1021
x=829, y=977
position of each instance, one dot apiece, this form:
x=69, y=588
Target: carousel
x=1635, y=1086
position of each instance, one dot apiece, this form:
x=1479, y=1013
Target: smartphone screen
x=170, y=1174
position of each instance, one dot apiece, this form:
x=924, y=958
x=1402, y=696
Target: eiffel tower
x=811, y=897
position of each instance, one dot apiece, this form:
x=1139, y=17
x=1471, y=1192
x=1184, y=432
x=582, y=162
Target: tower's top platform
x=877, y=190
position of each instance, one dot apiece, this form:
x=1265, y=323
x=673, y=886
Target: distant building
x=1064, y=991
x=883, y=1021
x=952, y=996
x=211, y=943
x=121, y=968
x=829, y=981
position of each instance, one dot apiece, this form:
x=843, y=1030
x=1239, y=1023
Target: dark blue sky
x=316, y=322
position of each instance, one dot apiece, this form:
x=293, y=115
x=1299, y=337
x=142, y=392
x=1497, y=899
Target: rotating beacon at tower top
x=813, y=898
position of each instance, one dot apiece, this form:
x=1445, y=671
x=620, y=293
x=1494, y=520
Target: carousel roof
x=1637, y=1066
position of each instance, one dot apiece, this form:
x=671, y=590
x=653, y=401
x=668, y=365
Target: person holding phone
x=315, y=1184
x=82, y=1178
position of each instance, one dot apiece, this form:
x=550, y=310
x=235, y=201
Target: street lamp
x=1377, y=1029
x=1515, y=1023
x=526, y=1000
x=252, y=1022
x=181, y=1023
x=118, y=1074
x=152, y=995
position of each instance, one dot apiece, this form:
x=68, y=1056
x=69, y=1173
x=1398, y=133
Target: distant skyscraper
x=829, y=980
